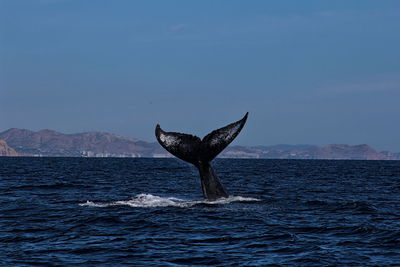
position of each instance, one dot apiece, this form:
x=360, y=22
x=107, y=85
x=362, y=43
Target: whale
x=200, y=153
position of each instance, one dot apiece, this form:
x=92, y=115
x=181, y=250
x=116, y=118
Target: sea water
x=150, y=212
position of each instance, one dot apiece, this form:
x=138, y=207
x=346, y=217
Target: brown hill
x=51, y=143
x=5, y=150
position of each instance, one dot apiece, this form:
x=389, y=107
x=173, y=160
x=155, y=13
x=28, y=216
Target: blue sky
x=309, y=72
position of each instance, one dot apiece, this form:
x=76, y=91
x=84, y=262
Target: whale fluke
x=200, y=152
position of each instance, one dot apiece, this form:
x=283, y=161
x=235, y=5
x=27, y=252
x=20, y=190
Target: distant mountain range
x=48, y=143
x=90, y=144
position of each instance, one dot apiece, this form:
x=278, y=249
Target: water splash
x=151, y=201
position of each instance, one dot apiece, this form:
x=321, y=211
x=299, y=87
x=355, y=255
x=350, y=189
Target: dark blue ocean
x=150, y=212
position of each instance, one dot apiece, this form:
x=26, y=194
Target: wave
x=151, y=201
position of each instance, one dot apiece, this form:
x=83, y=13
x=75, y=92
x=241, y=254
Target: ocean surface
x=150, y=212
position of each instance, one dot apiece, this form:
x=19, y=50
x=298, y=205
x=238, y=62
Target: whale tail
x=200, y=152
x=192, y=149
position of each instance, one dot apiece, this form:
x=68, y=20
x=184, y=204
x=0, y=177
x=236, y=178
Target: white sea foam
x=150, y=201
x=92, y=204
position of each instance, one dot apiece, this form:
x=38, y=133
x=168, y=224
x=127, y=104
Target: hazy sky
x=309, y=72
